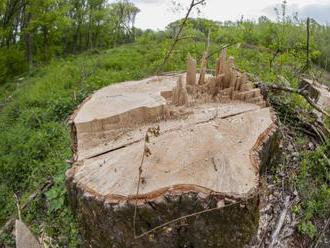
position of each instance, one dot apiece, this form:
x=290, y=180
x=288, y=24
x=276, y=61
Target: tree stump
x=319, y=93
x=206, y=156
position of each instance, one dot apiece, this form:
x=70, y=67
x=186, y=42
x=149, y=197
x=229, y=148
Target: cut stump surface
x=208, y=154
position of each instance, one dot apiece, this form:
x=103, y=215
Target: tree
x=42, y=29
x=193, y=4
x=123, y=14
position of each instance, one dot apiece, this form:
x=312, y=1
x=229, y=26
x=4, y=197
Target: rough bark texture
x=108, y=225
x=319, y=93
x=214, y=139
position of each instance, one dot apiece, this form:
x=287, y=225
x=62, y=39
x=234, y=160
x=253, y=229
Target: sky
x=156, y=14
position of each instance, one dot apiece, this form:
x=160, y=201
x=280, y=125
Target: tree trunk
x=308, y=44
x=191, y=180
x=29, y=47
x=46, y=45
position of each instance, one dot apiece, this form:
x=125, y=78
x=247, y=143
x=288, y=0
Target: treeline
x=35, y=31
x=286, y=36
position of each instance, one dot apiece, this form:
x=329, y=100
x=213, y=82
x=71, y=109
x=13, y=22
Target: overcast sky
x=156, y=14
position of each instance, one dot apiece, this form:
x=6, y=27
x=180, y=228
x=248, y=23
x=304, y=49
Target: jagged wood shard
x=213, y=140
x=180, y=94
x=191, y=71
x=201, y=79
x=222, y=62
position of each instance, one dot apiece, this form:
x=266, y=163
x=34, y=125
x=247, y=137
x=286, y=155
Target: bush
x=12, y=63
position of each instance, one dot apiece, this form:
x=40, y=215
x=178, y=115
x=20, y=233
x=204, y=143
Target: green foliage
x=12, y=62
x=34, y=137
x=55, y=196
x=313, y=183
x=310, y=176
x=308, y=228
x=35, y=32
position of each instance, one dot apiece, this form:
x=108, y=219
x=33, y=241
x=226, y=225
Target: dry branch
x=301, y=92
x=321, y=234
x=280, y=223
x=44, y=188
x=146, y=153
x=220, y=49
x=177, y=38
x=18, y=207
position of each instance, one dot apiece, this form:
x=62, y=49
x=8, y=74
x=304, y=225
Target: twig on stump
x=146, y=153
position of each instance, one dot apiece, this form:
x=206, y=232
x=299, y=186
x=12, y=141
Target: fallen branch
x=321, y=234
x=280, y=223
x=301, y=92
x=18, y=207
x=44, y=188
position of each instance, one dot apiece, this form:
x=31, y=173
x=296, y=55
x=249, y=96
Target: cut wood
x=24, y=237
x=280, y=223
x=8, y=227
x=318, y=93
x=301, y=92
x=197, y=184
x=191, y=71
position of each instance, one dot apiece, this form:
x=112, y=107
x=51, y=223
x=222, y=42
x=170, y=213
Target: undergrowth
x=35, y=143
x=34, y=137
x=309, y=176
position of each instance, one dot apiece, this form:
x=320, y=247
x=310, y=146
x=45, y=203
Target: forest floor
x=35, y=141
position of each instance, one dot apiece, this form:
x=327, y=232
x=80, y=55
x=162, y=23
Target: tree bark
x=189, y=180
x=175, y=205
x=308, y=44
x=29, y=43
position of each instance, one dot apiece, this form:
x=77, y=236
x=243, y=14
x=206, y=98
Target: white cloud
x=318, y=11
x=156, y=14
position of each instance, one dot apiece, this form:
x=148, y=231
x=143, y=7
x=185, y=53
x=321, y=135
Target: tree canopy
x=35, y=31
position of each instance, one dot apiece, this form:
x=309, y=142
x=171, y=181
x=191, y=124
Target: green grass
x=34, y=137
